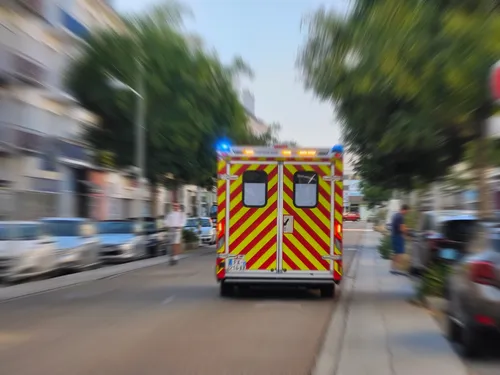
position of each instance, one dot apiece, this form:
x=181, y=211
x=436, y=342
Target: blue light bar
x=338, y=148
x=223, y=146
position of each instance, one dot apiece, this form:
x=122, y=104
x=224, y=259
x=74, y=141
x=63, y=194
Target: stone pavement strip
x=37, y=287
x=376, y=331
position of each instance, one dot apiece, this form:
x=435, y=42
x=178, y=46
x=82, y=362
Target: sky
x=267, y=35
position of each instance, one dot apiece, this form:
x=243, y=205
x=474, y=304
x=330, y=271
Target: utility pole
x=140, y=132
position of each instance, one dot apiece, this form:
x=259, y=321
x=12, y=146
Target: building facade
x=44, y=162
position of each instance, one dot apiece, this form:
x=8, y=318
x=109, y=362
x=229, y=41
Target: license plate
x=237, y=264
x=448, y=254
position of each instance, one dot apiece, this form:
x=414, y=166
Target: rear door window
x=254, y=189
x=305, y=189
x=459, y=230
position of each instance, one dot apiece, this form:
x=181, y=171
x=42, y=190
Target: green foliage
x=408, y=80
x=189, y=95
x=433, y=281
x=106, y=159
x=189, y=236
x=385, y=247
x=374, y=195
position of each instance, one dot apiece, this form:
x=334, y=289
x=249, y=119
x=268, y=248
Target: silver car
x=77, y=244
x=25, y=251
x=122, y=240
x=207, y=231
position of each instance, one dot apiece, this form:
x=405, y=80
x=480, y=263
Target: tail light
x=338, y=231
x=482, y=272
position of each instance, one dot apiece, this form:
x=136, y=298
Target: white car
x=122, y=241
x=204, y=228
x=25, y=251
x=77, y=245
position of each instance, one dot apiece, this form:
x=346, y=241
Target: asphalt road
x=165, y=320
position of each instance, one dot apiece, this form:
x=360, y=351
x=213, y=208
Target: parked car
x=207, y=231
x=352, y=216
x=474, y=289
x=213, y=213
x=77, y=244
x=121, y=240
x=193, y=225
x=25, y=251
x=155, y=234
x=435, y=229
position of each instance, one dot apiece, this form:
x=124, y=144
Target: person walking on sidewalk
x=175, y=221
x=398, y=231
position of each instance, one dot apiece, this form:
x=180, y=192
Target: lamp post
x=140, y=115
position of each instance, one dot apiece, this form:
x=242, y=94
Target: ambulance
x=279, y=217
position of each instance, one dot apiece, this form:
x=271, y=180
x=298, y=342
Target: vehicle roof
x=76, y=219
x=447, y=215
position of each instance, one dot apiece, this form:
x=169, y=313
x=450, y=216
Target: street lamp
x=140, y=115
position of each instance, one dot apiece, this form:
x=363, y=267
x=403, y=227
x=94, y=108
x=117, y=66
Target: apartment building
x=44, y=161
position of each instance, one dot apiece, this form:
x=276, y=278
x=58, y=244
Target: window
x=255, y=189
x=305, y=189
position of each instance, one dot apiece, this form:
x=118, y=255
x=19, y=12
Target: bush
x=433, y=281
x=189, y=236
x=385, y=247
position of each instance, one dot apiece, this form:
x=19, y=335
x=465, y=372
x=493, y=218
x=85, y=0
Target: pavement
x=156, y=319
x=375, y=330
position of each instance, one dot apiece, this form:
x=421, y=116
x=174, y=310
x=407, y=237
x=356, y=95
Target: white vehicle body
x=25, y=251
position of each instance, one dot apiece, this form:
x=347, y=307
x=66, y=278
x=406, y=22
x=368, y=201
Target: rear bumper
x=305, y=282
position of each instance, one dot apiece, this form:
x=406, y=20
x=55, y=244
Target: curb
x=67, y=283
x=327, y=359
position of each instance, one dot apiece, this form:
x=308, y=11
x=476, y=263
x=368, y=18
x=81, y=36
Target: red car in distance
x=352, y=216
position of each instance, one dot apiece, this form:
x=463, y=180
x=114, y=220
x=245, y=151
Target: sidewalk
x=376, y=331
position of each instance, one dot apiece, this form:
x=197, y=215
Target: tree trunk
x=153, y=200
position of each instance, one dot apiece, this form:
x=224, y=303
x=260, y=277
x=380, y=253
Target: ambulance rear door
x=307, y=209
x=252, y=219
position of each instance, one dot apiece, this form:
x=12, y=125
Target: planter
x=190, y=245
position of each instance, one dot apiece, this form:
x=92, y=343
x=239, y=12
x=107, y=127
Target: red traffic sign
x=495, y=82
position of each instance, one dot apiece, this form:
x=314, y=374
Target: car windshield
x=19, y=232
x=62, y=228
x=206, y=223
x=459, y=230
x=192, y=223
x=116, y=227
x=151, y=226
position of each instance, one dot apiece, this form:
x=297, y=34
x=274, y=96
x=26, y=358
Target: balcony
x=17, y=68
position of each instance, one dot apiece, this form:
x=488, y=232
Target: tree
x=189, y=95
x=408, y=79
x=374, y=195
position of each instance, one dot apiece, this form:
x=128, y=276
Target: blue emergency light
x=223, y=146
x=338, y=148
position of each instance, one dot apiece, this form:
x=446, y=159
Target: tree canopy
x=190, y=99
x=408, y=79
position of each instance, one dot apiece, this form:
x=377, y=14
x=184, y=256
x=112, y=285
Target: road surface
x=165, y=320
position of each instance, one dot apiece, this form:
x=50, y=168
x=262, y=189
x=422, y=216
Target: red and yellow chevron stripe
x=254, y=230
x=310, y=241
x=338, y=217
x=220, y=269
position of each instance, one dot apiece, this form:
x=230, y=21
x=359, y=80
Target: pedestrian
x=398, y=231
x=175, y=221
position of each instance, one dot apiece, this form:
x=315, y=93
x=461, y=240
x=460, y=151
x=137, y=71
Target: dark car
x=435, y=230
x=474, y=289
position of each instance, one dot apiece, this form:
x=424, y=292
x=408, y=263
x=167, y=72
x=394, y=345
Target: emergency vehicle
x=279, y=217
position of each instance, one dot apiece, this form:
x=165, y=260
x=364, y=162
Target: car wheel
x=327, y=291
x=226, y=290
x=471, y=340
x=453, y=330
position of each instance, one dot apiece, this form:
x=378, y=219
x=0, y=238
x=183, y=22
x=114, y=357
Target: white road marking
x=167, y=300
